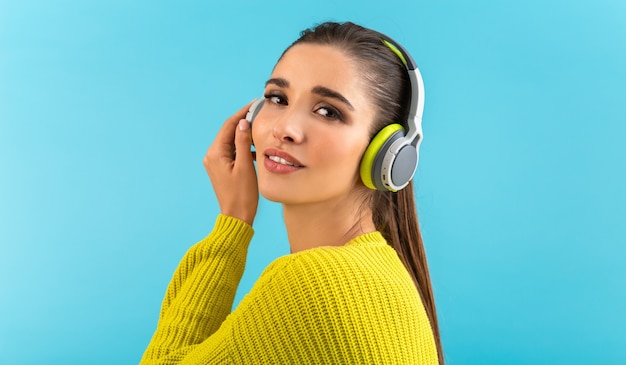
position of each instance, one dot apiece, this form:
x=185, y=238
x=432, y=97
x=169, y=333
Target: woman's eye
x=276, y=99
x=330, y=113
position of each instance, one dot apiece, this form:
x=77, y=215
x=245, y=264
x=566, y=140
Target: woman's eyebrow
x=329, y=93
x=280, y=82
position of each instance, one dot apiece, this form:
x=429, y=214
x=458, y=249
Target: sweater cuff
x=231, y=233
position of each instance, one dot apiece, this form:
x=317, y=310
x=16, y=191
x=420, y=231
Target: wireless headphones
x=390, y=160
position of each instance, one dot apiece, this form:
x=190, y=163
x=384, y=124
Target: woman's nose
x=288, y=126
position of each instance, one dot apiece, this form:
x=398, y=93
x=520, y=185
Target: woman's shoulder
x=365, y=266
x=357, y=299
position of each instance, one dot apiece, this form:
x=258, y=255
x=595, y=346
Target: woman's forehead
x=310, y=65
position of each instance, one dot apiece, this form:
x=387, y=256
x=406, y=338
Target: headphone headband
x=391, y=158
x=414, y=120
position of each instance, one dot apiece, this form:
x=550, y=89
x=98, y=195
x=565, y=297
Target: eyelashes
x=323, y=109
x=329, y=112
x=275, y=98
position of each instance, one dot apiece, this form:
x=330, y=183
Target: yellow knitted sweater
x=354, y=304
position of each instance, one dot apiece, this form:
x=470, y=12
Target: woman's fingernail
x=244, y=125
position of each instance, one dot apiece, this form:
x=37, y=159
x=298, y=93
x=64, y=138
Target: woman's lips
x=281, y=162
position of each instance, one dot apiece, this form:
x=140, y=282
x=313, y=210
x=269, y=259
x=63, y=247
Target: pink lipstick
x=280, y=162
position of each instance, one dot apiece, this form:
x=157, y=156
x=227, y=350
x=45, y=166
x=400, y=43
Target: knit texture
x=353, y=304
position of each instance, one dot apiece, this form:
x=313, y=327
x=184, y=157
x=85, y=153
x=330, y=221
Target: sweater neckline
x=366, y=239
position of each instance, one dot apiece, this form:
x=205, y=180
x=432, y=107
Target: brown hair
x=394, y=214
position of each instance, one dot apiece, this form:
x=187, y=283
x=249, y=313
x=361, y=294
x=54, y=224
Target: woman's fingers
x=243, y=143
x=223, y=146
x=225, y=138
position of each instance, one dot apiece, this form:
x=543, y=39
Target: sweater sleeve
x=201, y=292
x=346, y=305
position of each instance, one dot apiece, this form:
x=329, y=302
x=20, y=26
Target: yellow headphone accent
x=369, y=157
x=396, y=51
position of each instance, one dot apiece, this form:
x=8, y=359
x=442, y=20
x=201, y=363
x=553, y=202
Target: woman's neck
x=326, y=223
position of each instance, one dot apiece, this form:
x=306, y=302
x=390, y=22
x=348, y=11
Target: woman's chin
x=271, y=197
x=285, y=195
x=272, y=194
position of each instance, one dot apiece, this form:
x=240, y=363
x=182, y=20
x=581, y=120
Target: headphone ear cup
x=371, y=169
x=255, y=108
x=253, y=111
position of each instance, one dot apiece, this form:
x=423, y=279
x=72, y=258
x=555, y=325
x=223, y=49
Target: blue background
x=107, y=108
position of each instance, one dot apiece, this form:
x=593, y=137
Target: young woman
x=355, y=288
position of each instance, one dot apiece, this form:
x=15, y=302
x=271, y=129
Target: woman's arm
x=201, y=293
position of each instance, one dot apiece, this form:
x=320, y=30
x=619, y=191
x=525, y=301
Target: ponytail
x=395, y=216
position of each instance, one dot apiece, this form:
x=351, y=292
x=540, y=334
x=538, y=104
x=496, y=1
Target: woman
x=355, y=288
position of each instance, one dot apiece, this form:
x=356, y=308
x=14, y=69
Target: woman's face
x=313, y=128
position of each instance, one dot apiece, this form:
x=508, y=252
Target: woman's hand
x=232, y=174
